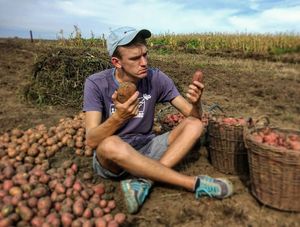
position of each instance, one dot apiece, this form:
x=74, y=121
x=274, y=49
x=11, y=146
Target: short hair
x=137, y=41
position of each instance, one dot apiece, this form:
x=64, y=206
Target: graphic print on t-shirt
x=142, y=103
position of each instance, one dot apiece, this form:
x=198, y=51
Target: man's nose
x=144, y=60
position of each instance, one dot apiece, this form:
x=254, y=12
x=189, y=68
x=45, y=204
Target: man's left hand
x=195, y=91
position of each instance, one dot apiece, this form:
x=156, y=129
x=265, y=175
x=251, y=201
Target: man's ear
x=116, y=62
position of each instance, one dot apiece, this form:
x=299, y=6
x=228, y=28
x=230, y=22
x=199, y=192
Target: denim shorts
x=154, y=150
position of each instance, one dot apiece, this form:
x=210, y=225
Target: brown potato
x=25, y=213
x=38, y=192
x=37, y=221
x=120, y=218
x=44, y=203
x=125, y=91
x=66, y=219
x=78, y=208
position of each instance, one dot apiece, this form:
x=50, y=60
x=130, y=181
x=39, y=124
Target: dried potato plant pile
x=59, y=74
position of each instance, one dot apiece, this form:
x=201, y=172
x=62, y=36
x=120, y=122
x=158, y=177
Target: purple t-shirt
x=156, y=87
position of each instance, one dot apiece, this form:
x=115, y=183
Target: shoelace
x=206, y=188
x=142, y=190
x=208, y=191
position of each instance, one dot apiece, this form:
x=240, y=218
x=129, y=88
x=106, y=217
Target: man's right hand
x=128, y=109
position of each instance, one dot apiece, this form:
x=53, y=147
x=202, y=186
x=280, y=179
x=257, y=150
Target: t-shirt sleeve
x=167, y=89
x=92, y=97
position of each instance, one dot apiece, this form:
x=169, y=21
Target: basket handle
x=214, y=107
x=262, y=121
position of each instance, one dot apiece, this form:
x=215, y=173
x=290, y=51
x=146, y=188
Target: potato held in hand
x=198, y=75
x=125, y=91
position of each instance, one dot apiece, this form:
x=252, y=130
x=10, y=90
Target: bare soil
x=243, y=87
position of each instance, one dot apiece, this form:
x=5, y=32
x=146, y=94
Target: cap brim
x=144, y=33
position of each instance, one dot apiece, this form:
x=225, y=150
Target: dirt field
x=243, y=87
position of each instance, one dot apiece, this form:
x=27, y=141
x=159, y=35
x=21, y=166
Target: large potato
x=125, y=91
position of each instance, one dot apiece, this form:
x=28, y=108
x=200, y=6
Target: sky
x=50, y=19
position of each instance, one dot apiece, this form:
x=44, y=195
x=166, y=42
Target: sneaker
x=214, y=187
x=135, y=192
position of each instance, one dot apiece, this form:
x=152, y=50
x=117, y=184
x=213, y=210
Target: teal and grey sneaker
x=135, y=192
x=214, y=187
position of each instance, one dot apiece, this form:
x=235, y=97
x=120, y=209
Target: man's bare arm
x=97, y=131
x=186, y=108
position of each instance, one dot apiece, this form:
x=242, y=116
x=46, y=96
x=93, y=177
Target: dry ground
x=243, y=87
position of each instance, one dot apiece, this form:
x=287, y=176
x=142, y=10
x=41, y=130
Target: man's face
x=134, y=60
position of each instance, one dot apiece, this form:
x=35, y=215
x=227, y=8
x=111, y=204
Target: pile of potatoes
x=277, y=139
x=37, y=144
x=171, y=120
x=34, y=194
x=232, y=121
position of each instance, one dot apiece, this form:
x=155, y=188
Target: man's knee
x=194, y=126
x=113, y=148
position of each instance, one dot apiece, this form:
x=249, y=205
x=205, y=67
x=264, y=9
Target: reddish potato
x=69, y=181
x=16, y=199
x=43, y=212
x=113, y=223
x=57, y=206
x=111, y=204
x=198, y=76
x=44, y=179
x=44, y=203
x=100, y=222
x=60, y=189
x=108, y=217
x=37, y=221
x=5, y=222
x=97, y=212
x=78, y=208
x=87, y=223
x=66, y=219
x=99, y=189
x=74, y=167
x=77, y=186
x=53, y=219
x=7, y=185
x=106, y=210
x=87, y=213
x=85, y=194
x=103, y=203
x=40, y=191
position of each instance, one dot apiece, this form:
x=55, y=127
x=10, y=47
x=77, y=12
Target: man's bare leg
x=125, y=156
x=181, y=140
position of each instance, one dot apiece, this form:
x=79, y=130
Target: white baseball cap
x=122, y=36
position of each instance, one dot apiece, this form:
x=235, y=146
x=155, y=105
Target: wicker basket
x=274, y=173
x=226, y=148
